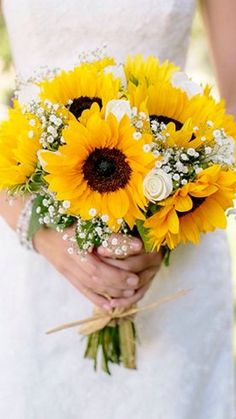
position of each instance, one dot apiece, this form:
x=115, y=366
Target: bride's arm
x=10, y=212
x=90, y=278
x=220, y=22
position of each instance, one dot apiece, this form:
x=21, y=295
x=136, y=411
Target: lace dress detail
x=54, y=32
x=185, y=362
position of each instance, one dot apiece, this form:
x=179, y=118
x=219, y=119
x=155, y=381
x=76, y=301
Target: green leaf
x=34, y=224
x=133, y=79
x=143, y=231
x=166, y=255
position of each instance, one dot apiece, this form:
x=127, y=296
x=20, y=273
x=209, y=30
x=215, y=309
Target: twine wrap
x=102, y=318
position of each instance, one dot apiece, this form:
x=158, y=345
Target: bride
x=185, y=362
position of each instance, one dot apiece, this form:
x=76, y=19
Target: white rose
x=157, y=185
x=119, y=108
x=181, y=81
x=118, y=72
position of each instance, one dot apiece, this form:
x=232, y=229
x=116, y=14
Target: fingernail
x=107, y=307
x=101, y=250
x=128, y=293
x=114, y=303
x=95, y=278
x=132, y=280
x=135, y=244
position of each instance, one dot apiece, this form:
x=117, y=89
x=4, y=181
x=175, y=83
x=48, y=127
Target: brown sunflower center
x=166, y=120
x=106, y=170
x=197, y=202
x=82, y=103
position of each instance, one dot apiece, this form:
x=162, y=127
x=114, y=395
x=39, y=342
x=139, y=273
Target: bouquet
x=136, y=148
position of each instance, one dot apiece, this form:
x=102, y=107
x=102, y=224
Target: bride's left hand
x=135, y=260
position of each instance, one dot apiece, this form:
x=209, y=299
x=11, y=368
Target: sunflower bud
x=157, y=185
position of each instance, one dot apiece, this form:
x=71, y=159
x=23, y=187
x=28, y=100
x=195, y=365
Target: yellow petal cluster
x=201, y=112
x=19, y=143
x=141, y=70
x=197, y=207
x=83, y=81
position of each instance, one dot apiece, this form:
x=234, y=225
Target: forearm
x=10, y=213
x=219, y=17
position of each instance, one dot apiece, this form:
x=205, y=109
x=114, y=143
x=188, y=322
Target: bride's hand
x=144, y=264
x=92, y=276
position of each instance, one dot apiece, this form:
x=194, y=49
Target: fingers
x=127, y=302
x=96, y=296
x=146, y=278
x=96, y=284
x=91, y=295
x=109, y=292
x=136, y=264
x=147, y=275
x=121, y=246
x=105, y=275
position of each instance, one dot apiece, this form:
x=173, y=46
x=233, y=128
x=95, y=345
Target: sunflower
x=197, y=207
x=80, y=88
x=165, y=103
x=162, y=102
x=149, y=70
x=100, y=169
x=208, y=115
x=19, y=143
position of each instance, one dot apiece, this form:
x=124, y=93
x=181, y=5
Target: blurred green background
x=198, y=66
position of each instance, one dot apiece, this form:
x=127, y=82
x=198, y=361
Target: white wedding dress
x=185, y=362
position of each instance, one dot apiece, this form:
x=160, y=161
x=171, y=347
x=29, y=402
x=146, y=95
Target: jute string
x=102, y=318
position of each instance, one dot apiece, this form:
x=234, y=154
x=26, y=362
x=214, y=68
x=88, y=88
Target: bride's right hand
x=89, y=275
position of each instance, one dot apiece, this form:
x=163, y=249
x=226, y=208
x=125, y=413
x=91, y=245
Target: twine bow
x=102, y=318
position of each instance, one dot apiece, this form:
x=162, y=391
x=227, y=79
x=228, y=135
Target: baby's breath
x=90, y=233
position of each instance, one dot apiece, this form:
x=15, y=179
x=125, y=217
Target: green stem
x=127, y=343
x=92, y=348
x=117, y=343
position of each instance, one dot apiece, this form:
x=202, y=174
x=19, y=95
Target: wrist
x=10, y=208
x=39, y=239
x=23, y=223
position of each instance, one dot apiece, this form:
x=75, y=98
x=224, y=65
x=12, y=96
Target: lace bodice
x=54, y=32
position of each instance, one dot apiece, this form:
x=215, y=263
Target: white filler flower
x=181, y=81
x=119, y=108
x=157, y=185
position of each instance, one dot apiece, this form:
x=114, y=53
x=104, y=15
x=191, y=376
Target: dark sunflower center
x=166, y=120
x=106, y=170
x=197, y=202
x=105, y=167
x=82, y=103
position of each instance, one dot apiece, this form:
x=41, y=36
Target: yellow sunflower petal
x=173, y=222
x=183, y=203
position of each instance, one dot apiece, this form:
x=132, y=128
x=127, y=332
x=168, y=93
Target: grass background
x=198, y=67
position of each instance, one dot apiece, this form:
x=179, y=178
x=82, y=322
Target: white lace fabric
x=55, y=32
x=185, y=363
